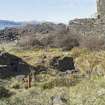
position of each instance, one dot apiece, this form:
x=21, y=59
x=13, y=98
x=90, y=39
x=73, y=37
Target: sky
x=46, y=10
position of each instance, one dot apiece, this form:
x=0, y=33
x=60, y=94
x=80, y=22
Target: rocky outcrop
x=58, y=100
x=9, y=34
x=62, y=64
x=11, y=65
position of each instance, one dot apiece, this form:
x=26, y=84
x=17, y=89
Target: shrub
x=15, y=85
x=93, y=42
x=48, y=41
x=66, y=41
x=29, y=42
x=4, y=93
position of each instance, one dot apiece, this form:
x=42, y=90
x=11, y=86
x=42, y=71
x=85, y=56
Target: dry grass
x=86, y=92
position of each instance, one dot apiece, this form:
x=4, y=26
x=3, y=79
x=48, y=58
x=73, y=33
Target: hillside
x=12, y=24
x=49, y=84
x=53, y=64
x=6, y=23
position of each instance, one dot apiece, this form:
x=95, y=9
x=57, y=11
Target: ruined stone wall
x=93, y=26
x=101, y=8
x=82, y=26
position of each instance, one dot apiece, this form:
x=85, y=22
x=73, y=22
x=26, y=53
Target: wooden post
x=29, y=81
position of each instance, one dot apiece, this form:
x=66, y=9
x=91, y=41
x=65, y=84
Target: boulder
x=58, y=100
x=62, y=64
x=11, y=65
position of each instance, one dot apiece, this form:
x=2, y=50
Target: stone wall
x=82, y=25
x=101, y=8
x=91, y=26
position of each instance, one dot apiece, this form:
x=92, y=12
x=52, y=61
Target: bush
x=4, y=93
x=56, y=39
x=63, y=39
x=48, y=41
x=93, y=42
x=66, y=41
x=15, y=85
x=29, y=42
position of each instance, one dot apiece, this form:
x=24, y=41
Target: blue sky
x=46, y=10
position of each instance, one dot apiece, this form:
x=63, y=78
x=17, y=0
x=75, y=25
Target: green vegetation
x=83, y=88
